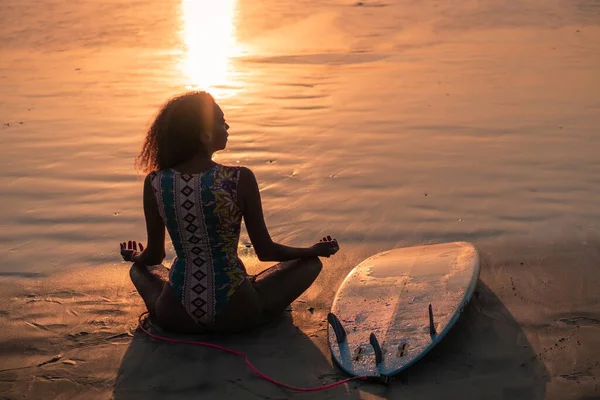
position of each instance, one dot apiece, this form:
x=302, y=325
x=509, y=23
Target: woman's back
x=203, y=218
x=208, y=289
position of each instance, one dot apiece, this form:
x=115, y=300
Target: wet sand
x=383, y=124
x=531, y=332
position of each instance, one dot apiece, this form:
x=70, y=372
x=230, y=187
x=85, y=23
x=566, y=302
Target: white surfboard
x=397, y=305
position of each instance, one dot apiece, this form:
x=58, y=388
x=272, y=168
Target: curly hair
x=181, y=130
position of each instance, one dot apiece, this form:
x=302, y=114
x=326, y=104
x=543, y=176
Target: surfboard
x=395, y=306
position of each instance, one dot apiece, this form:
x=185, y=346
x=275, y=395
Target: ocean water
x=383, y=124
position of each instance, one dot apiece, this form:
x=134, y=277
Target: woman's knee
x=134, y=273
x=141, y=277
x=312, y=265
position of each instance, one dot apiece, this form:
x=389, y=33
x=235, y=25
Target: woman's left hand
x=129, y=250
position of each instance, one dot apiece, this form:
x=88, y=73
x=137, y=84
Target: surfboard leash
x=249, y=364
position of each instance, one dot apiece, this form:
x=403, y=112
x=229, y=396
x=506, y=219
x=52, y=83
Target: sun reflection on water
x=209, y=37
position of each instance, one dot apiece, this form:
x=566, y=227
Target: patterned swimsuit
x=203, y=219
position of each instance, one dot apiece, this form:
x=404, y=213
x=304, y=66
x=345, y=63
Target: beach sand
x=531, y=332
x=384, y=124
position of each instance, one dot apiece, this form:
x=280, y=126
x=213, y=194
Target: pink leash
x=252, y=367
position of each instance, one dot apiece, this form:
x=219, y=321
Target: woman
x=201, y=204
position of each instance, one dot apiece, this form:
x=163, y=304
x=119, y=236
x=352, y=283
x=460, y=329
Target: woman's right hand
x=326, y=247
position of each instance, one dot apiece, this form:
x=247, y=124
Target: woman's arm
x=251, y=206
x=154, y=253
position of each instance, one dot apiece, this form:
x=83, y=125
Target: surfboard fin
x=432, y=331
x=375, y=343
x=338, y=329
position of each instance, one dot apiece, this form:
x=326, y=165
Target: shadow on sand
x=155, y=370
x=486, y=355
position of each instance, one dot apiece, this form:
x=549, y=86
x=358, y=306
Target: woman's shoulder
x=239, y=170
x=153, y=178
x=233, y=167
x=151, y=175
x=242, y=176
